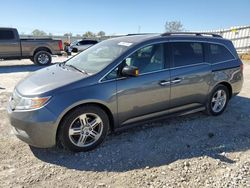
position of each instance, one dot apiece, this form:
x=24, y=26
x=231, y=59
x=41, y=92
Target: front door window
x=147, y=59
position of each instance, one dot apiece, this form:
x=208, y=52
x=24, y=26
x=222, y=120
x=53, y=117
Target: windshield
x=97, y=57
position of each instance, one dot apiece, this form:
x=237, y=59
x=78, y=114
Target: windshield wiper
x=72, y=66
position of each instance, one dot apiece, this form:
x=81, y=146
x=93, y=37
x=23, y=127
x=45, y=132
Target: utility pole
x=139, y=29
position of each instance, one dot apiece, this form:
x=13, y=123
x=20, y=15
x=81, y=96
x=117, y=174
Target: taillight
x=60, y=45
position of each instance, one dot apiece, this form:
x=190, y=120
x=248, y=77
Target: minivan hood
x=48, y=79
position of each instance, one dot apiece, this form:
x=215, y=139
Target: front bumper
x=37, y=128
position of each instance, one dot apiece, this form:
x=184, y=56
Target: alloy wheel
x=219, y=100
x=43, y=59
x=85, y=130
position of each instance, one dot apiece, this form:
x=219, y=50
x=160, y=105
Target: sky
x=121, y=17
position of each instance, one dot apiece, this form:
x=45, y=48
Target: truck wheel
x=42, y=58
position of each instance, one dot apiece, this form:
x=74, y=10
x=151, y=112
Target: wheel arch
x=102, y=106
x=44, y=48
x=229, y=87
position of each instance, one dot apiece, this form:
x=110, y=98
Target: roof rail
x=131, y=34
x=190, y=33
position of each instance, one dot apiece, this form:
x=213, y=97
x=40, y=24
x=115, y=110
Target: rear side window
x=85, y=42
x=92, y=42
x=218, y=53
x=6, y=35
x=187, y=53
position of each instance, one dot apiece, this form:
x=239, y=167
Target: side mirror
x=130, y=71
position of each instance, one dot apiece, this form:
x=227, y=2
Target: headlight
x=31, y=103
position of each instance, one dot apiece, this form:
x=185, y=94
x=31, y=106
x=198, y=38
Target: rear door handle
x=176, y=80
x=164, y=83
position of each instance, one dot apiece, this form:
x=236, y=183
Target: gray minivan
x=121, y=81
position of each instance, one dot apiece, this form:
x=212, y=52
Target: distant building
x=240, y=36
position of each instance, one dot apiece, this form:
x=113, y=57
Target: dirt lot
x=189, y=151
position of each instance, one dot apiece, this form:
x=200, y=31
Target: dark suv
x=120, y=81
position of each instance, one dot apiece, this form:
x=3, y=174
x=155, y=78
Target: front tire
x=42, y=58
x=83, y=129
x=218, y=100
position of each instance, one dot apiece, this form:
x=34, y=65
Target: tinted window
x=187, y=53
x=6, y=35
x=85, y=42
x=218, y=53
x=82, y=43
x=147, y=59
x=92, y=42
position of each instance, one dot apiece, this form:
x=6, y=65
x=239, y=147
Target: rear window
x=6, y=35
x=218, y=53
x=187, y=53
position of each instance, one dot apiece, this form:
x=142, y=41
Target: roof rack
x=132, y=34
x=190, y=33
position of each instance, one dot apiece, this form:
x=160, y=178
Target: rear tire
x=75, y=50
x=83, y=129
x=42, y=58
x=217, y=101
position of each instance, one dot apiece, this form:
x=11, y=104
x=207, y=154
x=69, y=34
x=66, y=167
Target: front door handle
x=164, y=83
x=176, y=80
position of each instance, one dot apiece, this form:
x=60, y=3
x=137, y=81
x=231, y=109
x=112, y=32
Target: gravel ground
x=188, y=151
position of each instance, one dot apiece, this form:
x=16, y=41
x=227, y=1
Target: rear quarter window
x=218, y=53
x=6, y=35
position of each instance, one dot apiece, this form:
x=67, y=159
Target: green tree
x=101, y=33
x=174, y=26
x=38, y=33
x=68, y=34
x=89, y=34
